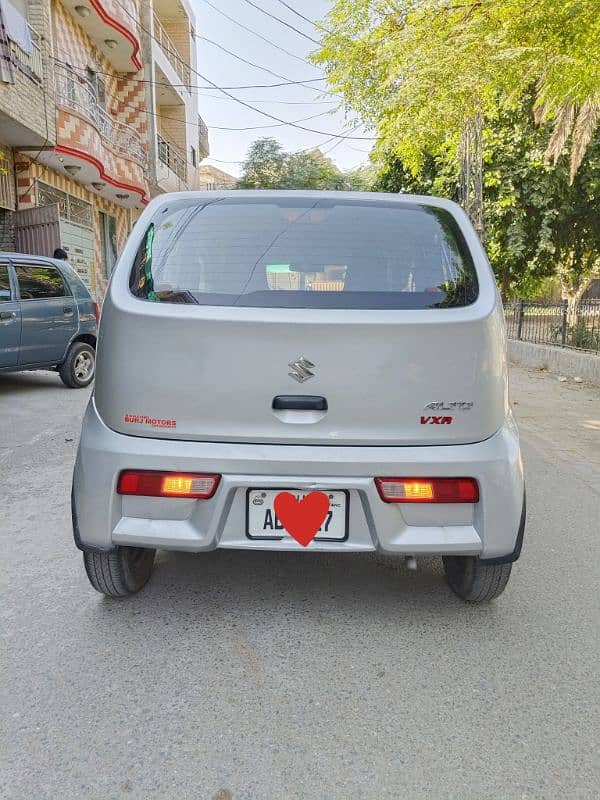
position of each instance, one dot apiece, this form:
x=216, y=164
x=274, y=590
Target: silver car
x=301, y=371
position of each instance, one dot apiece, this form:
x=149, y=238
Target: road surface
x=252, y=676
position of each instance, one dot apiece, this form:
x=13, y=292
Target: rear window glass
x=304, y=253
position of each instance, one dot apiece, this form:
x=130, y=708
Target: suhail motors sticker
x=301, y=369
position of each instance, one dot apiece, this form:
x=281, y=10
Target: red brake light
x=428, y=490
x=146, y=483
x=97, y=312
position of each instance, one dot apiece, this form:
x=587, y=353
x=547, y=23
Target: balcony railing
x=172, y=157
x=32, y=64
x=172, y=53
x=74, y=93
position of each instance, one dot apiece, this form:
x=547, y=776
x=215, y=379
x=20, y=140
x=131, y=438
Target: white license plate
x=262, y=522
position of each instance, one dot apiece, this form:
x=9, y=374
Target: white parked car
x=346, y=346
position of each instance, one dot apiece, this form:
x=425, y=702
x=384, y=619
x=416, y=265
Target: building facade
x=177, y=135
x=213, y=178
x=109, y=124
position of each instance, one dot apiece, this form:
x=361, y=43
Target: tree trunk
x=574, y=281
x=504, y=286
x=573, y=298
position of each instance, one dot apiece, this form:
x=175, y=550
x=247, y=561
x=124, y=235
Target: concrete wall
x=171, y=125
x=560, y=360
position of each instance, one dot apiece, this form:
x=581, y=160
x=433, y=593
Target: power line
x=244, y=60
x=248, y=105
x=211, y=86
x=282, y=21
x=297, y=13
x=263, y=127
x=293, y=152
x=278, y=102
x=255, y=33
x=176, y=119
x=278, y=119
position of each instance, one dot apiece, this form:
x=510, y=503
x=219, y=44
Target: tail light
x=428, y=490
x=97, y=312
x=146, y=483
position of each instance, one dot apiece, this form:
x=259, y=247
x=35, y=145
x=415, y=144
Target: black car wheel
x=120, y=572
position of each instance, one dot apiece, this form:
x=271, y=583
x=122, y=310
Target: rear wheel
x=78, y=368
x=121, y=572
x=475, y=581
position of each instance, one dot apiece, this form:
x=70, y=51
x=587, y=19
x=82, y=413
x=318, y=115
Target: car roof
x=62, y=265
x=55, y=262
x=329, y=194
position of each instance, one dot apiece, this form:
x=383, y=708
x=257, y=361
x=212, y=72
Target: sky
x=290, y=103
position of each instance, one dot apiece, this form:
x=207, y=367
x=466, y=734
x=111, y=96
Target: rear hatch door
x=303, y=320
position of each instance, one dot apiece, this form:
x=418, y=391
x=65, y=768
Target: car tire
x=475, y=581
x=120, y=572
x=77, y=370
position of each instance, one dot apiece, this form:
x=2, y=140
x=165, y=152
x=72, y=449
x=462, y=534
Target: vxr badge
x=301, y=369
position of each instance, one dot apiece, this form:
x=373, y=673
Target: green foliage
x=437, y=176
x=538, y=223
x=264, y=165
x=361, y=179
x=311, y=170
x=268, y=166
x=580, y=335
x=418, y=70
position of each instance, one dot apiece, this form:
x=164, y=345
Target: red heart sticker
x=302, y=518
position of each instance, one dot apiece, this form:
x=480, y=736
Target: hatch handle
x=299, y=402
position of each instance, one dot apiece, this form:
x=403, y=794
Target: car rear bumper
x=490, y=528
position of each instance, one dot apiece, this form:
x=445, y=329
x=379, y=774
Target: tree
x=360, y=179
x=311, y=170
x=268, y=166
x=538, y=222
x=264, y=165
x=436, y=176
x=418, y=72
x=540, y=219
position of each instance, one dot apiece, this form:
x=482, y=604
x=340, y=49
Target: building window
x=108, y=238
x=71, y=208
x=193, y=156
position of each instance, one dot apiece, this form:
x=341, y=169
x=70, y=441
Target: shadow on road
x=273, y=585
x=30, y=382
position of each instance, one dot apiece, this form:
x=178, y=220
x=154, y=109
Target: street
x=249, y=676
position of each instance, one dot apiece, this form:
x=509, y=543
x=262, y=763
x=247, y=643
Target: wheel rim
x=83, y=367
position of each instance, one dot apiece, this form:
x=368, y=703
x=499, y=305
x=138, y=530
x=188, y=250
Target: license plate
x=262, y=522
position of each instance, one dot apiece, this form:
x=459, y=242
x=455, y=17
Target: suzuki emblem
x=301, y=369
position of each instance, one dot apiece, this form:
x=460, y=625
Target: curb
x=560, y=360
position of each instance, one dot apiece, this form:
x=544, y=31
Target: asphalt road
x=252, y=676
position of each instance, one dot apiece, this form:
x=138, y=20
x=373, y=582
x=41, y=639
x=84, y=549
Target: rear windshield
x=304, y=253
